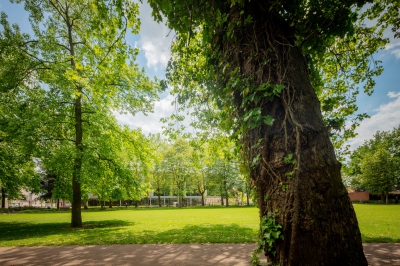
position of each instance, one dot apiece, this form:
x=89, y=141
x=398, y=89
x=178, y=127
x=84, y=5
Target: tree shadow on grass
x=118, y=232
x=24, y=230
x=207, y=233
x=377, y=239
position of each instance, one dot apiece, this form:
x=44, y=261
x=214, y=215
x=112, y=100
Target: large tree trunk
x=318, y=220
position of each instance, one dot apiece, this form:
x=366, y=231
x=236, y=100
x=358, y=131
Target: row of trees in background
x=190, y=166
x=170, y=168
x=375, y=165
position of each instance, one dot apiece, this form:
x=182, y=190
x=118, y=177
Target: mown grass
x=188, y=225
x=378, y=223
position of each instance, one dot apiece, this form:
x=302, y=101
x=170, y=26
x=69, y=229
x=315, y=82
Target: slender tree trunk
x=180, y=196
x=159, y=197
x=387, y=197
x=3, y=198
x=226, y=194
x=317, y=218
x=201, y=190
x=382, y=197
x=248, y=191
x=109, y=204
x=58, y=204
x=76, y=217
x=85, y=205
x=222, y=198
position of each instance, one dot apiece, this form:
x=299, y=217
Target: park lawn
x=378, y=223
x=132, y=226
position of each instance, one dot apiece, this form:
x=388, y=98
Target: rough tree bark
x=318, y=219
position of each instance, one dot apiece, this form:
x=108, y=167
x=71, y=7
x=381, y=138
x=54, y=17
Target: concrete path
x=163, y=254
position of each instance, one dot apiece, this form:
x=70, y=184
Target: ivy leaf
x=269, y=120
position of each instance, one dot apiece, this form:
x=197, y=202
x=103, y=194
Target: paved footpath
x=162, y=254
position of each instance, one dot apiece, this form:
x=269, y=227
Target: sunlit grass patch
x=378, y=223
x=189, y=225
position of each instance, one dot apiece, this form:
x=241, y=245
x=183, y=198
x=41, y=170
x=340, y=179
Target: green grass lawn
x=378, y=223
x=187, y=225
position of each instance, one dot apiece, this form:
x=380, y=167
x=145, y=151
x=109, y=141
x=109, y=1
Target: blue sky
x=154, y=41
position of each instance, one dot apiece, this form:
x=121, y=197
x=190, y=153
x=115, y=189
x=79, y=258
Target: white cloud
x=393, y=94
x=386, y=118
x=155, y=39
x=153, y=55
x=150, y=123
x=396, y=53
x=393, y=42
x=393, y=45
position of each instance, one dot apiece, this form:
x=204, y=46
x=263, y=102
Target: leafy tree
x=16, y=172
x=118, y=163
x=223, y=166
x=87, y=70
x=225, y=173
x=159, y=170
x=264, y=64
x=15, y=68
x=377, y=172
x=200, y=176
x=375, y=165
x=201, y=161
x=16, y=164
x=16, y=161
x=178, y=164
